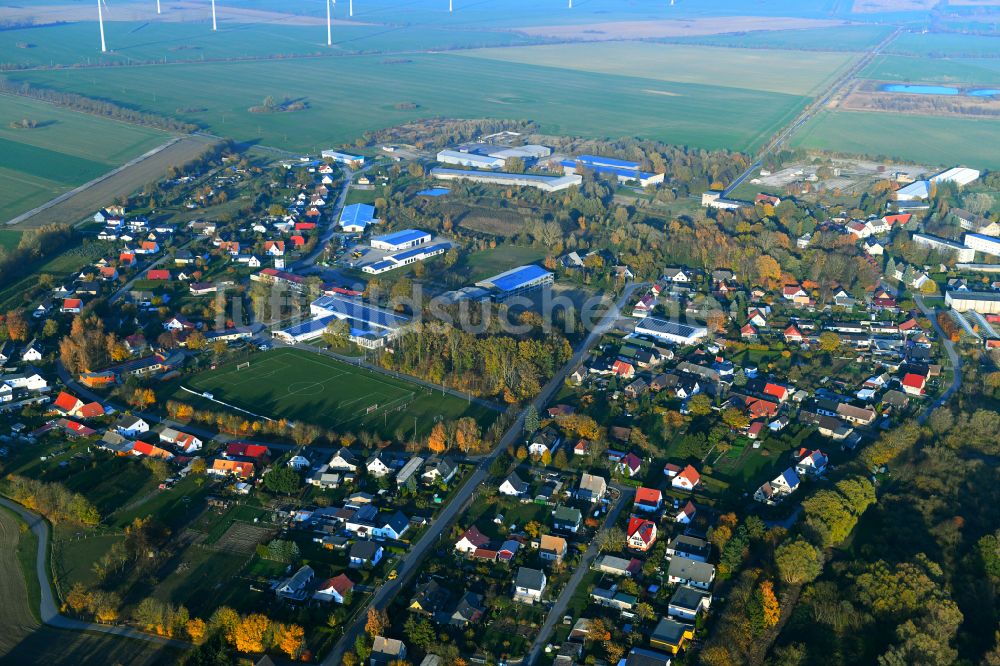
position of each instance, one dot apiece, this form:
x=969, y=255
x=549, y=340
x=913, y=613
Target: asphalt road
x=49, y=610
x=558, y=609
x=309, y=260
x=949, y=347
x=411, y=561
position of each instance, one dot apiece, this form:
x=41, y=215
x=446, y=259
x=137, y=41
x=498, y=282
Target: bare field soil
x=86, y=201
x=15, y=617
x=674, y=28
x=242, y=538
x=875, y=6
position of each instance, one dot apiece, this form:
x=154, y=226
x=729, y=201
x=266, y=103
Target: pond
x=910, y=89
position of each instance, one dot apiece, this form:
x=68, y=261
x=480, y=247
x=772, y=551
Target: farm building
x=401, y=240
x=357, y=217
x=370, y=326
x=540, y=182
x=670, y=331
x=516, y=281
x=624, y=171
x=342, y=158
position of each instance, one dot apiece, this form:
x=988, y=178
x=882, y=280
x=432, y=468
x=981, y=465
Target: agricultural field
x=487, y=263
x=759, y=70
x=946, y=45
x=838, y=38
x=401, y=89
x=962, y=71
x=303, y=386
x=64, y=150
x=9, y=238
x=934, y=140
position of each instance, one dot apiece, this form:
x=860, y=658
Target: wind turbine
x=570, y=4
x=215, y=26
x=329, y=32
x=157, y=7
x=450, y=8
x=350, y=9
x=100, y=22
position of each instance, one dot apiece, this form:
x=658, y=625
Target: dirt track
x=89, y=198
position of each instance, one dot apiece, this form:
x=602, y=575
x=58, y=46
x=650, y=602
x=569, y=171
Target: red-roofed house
x=792, y=334
x=157, y=274
x=298, y=241
x=909, y=325
x=223, y=467
x=757, y=408
x=274, y=248
x=71, y=305
x=648, y=499
x=67, y=404
x=141, y=448
x=623, y=369
x=686, y=514
x=334, y=589
x=471, y=541
x=748, y=332
x=148, y=247
x=914, y=384
x=641, y=534
x=108, y=272
x=126, y=258
x=687, y=479
x=795, y=294
x=777, y=391
x=630, y=464
x=901, y=218
x=91, y=410
x=753, y=432
x=246, y=450
x=767, y=199
x=671, y=470
x=305, y=226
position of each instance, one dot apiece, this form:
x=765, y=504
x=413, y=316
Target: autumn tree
x=290, y=639
x=468, y=436
x=798, y=562
x=195, y=629
x=829, y=341
x=226, y=620
x=437, y=442
x=337, y=333
x=768, y=271
x=17, y=326
x=250, y=633
x=377, y=623
x=85, y=348
x=78, y=598
x=700, y=405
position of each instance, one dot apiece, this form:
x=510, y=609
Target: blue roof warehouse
x=624, y=171
x=516, y=281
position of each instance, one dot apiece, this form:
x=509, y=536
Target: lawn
x=73, y=559
x=752, y=69
x=923, y=139
x=66, y=149
x=401, y=89
x=961, y=71
x=487, y=263
x=303, y=386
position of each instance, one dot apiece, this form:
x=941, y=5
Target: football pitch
x=299, y=385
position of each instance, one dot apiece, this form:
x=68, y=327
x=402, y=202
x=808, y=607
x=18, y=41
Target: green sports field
x=65, y=150
x=299, y=385
x=932, y=140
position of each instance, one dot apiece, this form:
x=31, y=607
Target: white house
x=131, y=426
x=529, y=585
x=513, y=486
x=32, y=353
x=343, y=460
x=334, y=589
x=687, y=479
x=182, y=440
x=377, y=467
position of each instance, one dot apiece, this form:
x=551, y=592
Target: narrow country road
x=411, y=561
x=949, y=347
x=49, y=609
x=558, y=609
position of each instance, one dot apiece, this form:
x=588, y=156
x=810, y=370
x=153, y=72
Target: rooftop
x=402, y=236
x=514, y=278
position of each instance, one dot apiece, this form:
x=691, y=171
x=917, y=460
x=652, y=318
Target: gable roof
x=648, y=496
x=475, y=537
x=644, y=529
x=690, y=474
x=340, y=584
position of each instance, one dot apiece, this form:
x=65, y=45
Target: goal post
x=244, y=364
x=371, y=408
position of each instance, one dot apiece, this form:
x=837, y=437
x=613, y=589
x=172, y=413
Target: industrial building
x=515, y=282
x=405, y=258
x=984, y=302
x=624, y=171
x=544, y=183
x=357, y=217
x=961, y=176
x=343, y=158
x=983, y=243
x=370, y=326
x=961, y=252
x=401, y=240
x=714, y=199
x=670, y=331
x=489, y=156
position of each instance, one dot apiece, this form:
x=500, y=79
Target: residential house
x=324, y=478
x=629, y=464
x=592, y=488
x=914, y=384
x=513, y=486
x=648, y=499
x=508, y=550
x=552, y=548
x=640, y=534
x=439, y=470
x=343, y=461
x=566, y=519
x=857, y=415
x=387, y=651
x=687, y=479
x=364, y=553
x=690, y=547
x=546, y=440
x=390, y=526
x=406, y=475
x=377, y=467
x=429, y=598
x=623, y=369
x=470, y=609
x=140, y=448
x=793, y=334
x=243, y=469
x=688, y=602
x=671, y=635
x=295, y=588
x=33, y=352
x=182, y=440
x=643, y=657
x=778, y=488
x=471, y=540
x=685, y=571
x=334, y=589
x=811, y=463
x=131, y=426
x=686, y=513
x=529, y=585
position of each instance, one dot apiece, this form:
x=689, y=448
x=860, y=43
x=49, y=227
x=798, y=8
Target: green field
x=9, y=238
x=839, y=39
x=304, y=386
x=940, y=45
x=758, y=70
x=65, y=150
x=349, y=96
x=965, y=71
x=934, y=140
x=487, y=263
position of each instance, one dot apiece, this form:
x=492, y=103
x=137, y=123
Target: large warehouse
x=670, y=331
x=982, y=243
x=470, y=159
x=515, y=282
x=357, y=217
x=343, y=158
x=544, y=183
x=405, y=258
x=401, y=240
x=984, y=302
x=370, y=326
x=621, y=169
x=489, y=156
